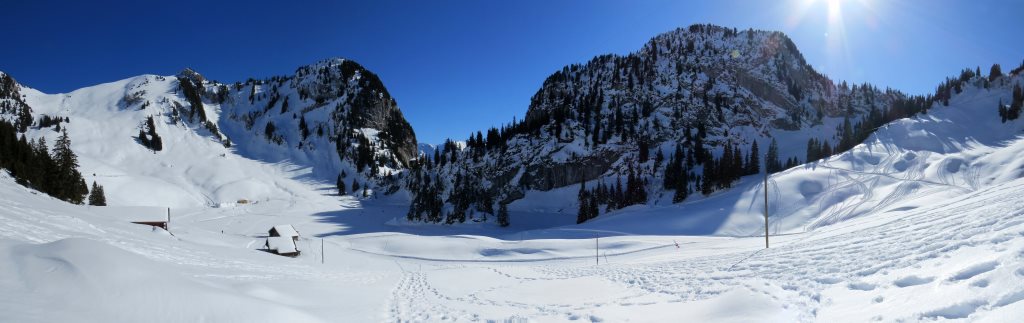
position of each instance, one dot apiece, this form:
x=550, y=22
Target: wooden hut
x=282, y=240
x=284, y=246
x=284, y=230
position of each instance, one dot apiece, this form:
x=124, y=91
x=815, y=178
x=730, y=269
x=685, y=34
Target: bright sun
x=830, y=19
x=834, y=9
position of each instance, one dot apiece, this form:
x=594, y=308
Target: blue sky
x=460, y=66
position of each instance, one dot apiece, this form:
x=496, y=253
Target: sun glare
x=835, y=10
x=829, y=18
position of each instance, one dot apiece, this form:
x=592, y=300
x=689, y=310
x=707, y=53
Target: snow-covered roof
x=133, y=213
x=281, y=244
x=286, y=230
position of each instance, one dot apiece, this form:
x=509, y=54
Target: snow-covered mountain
x=921, y=222
x=951, y=151
x=684, y=113
x=218, y=141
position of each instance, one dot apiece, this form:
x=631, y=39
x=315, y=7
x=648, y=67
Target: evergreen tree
x=355, y=186
x=1016, y=103
x=69, y=185
x=43, y=177
x=303, y=128
x=739, y=169
x=582, y=198
x=772, y=162
x=340, y=185
x=486, y=202
x=659, y=157
x=1002, y=111
x=846, y=139
x=698, y=152
x=269, y=130
x=618, y=196
x=995, y=72
x=503, y=215
x=754, y=165
x=726, y=163
x=812, y=149
x=152, y=140
x=674, y=169
x=144, y=140
x=645, y=151
x=635, y=191
x=592, y=207
x=96, y=197
x=156, y=143
x=682, y=188
x=705, y=184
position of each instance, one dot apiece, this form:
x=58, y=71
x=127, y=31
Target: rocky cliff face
x=366, y=102
x=333, y=105
x=12, y=106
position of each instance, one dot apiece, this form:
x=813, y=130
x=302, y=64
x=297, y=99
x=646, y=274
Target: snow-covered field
x=921, y=222
x=950, y=258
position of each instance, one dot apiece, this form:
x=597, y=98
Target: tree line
x=52, y=171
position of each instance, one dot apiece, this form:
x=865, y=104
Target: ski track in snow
x=860, y=260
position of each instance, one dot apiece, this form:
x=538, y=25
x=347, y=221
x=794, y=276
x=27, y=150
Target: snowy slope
x=192, y=170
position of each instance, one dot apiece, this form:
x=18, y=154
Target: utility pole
x=766, y=202
x=322, y=256
x=597, y=247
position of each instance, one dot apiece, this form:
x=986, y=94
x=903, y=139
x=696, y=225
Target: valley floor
x=959, y=258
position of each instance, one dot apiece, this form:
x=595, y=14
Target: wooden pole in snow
x=766, y=202
x=322, y=256
x=597, y=248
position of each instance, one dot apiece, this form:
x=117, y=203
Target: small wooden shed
x=282, y=240
x=284, y=246
x=284, y=230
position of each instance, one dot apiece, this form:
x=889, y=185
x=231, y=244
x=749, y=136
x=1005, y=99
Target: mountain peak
x=191, y=74
x=758, y=42
x=325, y=79
x=331, y=62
